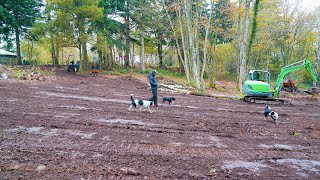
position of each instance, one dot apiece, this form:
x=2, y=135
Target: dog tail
x=132, y=101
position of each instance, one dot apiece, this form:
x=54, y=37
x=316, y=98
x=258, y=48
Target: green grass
x=172, y=74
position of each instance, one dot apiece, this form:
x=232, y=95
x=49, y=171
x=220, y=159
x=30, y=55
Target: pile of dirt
x=4, y=71
x=32, y=73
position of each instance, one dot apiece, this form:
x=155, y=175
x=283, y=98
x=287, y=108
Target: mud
x=75, y=127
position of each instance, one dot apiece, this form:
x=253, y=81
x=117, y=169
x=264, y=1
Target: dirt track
x=75, y=127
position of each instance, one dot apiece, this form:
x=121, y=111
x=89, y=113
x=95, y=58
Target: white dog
x=267, y=112
x=274, y=116
x=141, y=103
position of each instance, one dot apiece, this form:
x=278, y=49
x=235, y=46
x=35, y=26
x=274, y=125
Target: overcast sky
x=307, y=4
x=311, y=4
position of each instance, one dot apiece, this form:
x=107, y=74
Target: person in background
x=154, y=87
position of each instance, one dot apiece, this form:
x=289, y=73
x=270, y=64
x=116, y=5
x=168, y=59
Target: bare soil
x=74, y=127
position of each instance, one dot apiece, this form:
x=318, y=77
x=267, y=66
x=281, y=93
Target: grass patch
x=171, y=74
x=24, y=71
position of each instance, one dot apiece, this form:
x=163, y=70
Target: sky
x=311, y=4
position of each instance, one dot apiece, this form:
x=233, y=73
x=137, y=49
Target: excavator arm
x=294, y=67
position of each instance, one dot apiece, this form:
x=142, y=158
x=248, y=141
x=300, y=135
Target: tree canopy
x=204, y=40
x=17, y=17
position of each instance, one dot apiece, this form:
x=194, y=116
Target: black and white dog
x=142, y=103
x=169, y=99
x=267, y=112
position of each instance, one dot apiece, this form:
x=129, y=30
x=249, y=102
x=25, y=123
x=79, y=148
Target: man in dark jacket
x=154, y=87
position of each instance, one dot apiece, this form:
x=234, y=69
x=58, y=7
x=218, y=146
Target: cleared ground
x=74, y=127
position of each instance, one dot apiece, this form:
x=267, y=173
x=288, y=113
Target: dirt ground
x=79, y=127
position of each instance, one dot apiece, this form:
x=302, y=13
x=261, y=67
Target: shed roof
x=6, y=53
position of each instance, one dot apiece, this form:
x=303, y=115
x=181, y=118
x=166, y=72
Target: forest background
x=201, y=41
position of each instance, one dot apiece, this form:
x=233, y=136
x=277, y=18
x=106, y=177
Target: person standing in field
x=154, y=87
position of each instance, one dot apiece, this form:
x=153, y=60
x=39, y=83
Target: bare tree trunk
x=142, y=60
x=19, y=59
x=239, y=43
x=62, y=55
x=81, y=58
x=100, y=56
x=30, y=50
x=57, y=55
x=127, y=50
x=318, y=56
x=181, y=67
x=85, y=53
x=193, y=42
x=81, y=47
x=112, y=56
x=160, y=54
x=205, y=47
x=53, y=52
x=100, y=48
x=132, y=55
x=243, y=46
x=185, y=57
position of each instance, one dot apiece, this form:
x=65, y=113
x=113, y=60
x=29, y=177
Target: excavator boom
x=294, y=67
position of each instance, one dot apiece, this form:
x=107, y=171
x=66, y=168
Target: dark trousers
x=154, y=98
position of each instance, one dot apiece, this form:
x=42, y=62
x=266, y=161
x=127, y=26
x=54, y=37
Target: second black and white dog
x=169, y=99
x=268, y=112
x=140, y=103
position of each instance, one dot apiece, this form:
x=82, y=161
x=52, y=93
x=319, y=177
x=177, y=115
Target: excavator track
x=263, y=100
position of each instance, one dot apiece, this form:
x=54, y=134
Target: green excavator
x=257, y=86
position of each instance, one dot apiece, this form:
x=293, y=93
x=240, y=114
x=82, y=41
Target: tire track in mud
x=209, y=110
x=181, y=141
x=102, y=145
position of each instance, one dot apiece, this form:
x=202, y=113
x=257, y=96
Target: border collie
x=142, y=103
x=267, y=112
x=169, y=99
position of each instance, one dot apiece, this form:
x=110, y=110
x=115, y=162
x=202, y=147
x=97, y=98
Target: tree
x=74, y=18
x=253, y=28
x=318, y=44
x=149, y=19
x=219, y=34
x=127, y=33
x=244, y=43
x=109, y=29
x=190, y=21
x=17, y=17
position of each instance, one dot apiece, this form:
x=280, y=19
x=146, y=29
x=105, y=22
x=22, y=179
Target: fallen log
x=173, y=88
x=215, y=95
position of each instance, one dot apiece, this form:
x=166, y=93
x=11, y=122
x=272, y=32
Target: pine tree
x=17, y=17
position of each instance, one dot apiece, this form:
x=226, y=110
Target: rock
x=4, y=76
x=129, y=171
x=41, y=168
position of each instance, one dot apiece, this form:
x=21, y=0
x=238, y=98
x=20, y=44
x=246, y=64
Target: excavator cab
x=258, y=75
x=258, y=84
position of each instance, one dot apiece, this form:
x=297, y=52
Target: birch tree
x=318, y=44
x=188, y=21
x=244, y=43
x=205, y=45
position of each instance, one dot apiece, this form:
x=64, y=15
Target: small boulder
x=41, y=168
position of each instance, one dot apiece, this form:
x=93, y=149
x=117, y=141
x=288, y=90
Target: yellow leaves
x=259, y=47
